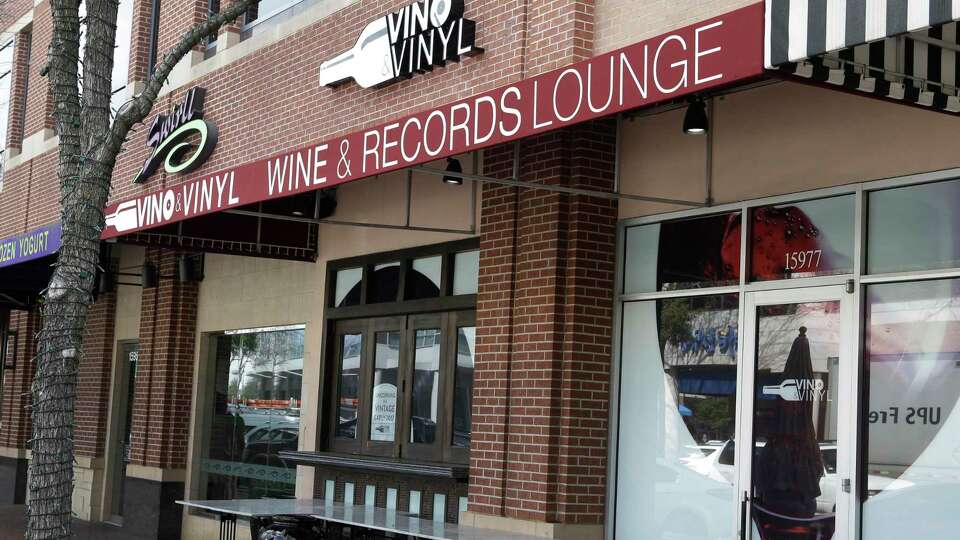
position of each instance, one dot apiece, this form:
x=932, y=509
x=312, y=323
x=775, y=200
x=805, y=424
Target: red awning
x=716, y=52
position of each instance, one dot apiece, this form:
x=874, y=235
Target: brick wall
x=544, y=313
x=15, y=428
x=622, y=22
x=18, y=88
x=94, y=378
x=269, y=101
x=164, y=382
x=39, y=99
x=140, y=40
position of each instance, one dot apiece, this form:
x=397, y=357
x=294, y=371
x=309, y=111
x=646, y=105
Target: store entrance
x=796, y=477
x=126, y=377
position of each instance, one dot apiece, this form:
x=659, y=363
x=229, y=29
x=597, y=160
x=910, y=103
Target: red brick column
x=18, y=89
x=544, y=317
x=94, y=378
x=16, y=425
x=161, y=408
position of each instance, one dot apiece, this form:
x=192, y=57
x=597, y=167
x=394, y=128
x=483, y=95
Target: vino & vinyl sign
x=715, y=52
x=412, y=40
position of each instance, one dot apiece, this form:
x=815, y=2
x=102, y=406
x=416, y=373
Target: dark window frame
x=447, y=312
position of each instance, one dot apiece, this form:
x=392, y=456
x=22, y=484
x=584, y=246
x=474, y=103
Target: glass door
x=798, y=412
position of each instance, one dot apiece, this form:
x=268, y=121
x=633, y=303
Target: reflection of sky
x=913, y=227
x=833, y=217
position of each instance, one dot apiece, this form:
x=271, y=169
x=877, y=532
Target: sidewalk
x=13, y=521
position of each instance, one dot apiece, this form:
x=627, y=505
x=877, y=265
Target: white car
x=719, y=465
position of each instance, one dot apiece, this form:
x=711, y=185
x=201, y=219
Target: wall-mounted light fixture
x=190, y=268
x=695, y=120
x=453, y=166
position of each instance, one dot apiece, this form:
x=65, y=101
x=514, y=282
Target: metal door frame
x=847, y=520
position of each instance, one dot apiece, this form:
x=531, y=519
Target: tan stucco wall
x=780, y=139
x=622, y=22
x=246, y=292
x=129, y=297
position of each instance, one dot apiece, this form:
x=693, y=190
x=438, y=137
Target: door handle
x=744, y=526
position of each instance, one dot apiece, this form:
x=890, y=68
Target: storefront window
x=254, y=413
x=383, y=412
x=678, y=393
x=347, y=290
x=385, y=282
x=423, y=281
x=425, y=397
x=914, y=228
x=349, y=388
x=466, y=267
x=911, y=473
x=463, y=387
x=406, y=392
x=685, y=254
x=804, y=239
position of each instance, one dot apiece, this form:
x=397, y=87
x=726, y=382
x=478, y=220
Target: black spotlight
x=454, y=166
x=190, y=268
x=150, y=276
x=105, y=281
x=695, y=121
x=185, y=271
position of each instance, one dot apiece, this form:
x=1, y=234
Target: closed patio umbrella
x=789, y=467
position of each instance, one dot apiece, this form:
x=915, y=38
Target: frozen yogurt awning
x=897, y=50
x=26, y=265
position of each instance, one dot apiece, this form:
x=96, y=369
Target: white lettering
x=625, y=63
x=276, y=175
x=389, y=143
x=536, y=105
x=403, y=138
x=697, y=54
x=319, y=164
x=656, y=63
x=556, y=92
x=460, y=126
x=426, y=133
x=512, y=111
x=590, y=89
x=477, y=138
x=371, y=150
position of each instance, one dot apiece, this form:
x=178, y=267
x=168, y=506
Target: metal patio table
x=366, y=517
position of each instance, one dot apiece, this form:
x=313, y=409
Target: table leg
x=228, y=526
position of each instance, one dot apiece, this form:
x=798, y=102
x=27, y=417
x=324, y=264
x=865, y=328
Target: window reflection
x=795, y=414
x=913, y=427
x=255, y=414
x=677, y=405
x=914, y=228
x=424, y=400
x=690, y=253
x=803, y=239
x=463, y=387
x=349, y=390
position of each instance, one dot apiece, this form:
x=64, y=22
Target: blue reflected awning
x=708, y=382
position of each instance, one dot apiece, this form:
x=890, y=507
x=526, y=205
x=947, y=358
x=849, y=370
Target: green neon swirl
x=194, y=125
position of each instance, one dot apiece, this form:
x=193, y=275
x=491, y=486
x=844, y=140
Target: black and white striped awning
x=905, y=50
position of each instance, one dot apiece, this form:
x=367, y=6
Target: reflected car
x=719, y=465
x=263, y=444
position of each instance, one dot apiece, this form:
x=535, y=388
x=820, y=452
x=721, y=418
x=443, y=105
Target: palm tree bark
x=88, y=147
